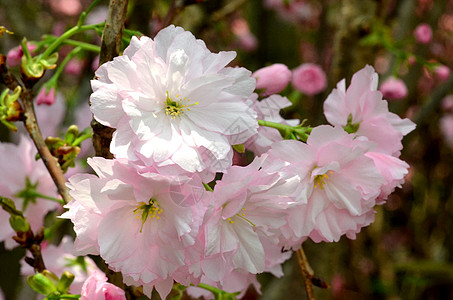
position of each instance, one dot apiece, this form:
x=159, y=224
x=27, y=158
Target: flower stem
x=65, y=36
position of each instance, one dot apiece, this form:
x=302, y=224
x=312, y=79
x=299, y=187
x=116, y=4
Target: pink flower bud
x=442, y=72
x=423, y=33
x=14, y=55
x=44, y=97
x=309, y=78
x=273, y=79
x=96, y=287
x=393, y=89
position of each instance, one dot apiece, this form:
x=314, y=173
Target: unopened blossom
x=96, y=287
x=174, y=104
x=66, y=7
x=20, y=171
x=309, y=78
x=423, y=33
x=339, y=185
x=272, y=79
x=446, y=128
x=361, y=110
x=140, y=224
x=45, y=96
x=268, y=109
x=442, y=72
x=59, y=259
x=393, y=89
x=247, y=40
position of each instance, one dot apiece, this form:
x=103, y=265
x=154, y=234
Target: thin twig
x=307, y=272
x=32, y=127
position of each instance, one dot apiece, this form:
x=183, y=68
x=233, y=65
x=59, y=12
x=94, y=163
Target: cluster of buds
x=48, y=284
x=65, y=151
x=10, y=109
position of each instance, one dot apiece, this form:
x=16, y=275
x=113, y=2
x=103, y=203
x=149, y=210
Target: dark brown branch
x=32, y=127
x=110, y=48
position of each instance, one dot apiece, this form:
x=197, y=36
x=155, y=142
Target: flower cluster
x=178, y=111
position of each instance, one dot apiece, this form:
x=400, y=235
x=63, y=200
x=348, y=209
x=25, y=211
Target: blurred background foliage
x=407, y=253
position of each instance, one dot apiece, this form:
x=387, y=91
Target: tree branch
x=110, y=48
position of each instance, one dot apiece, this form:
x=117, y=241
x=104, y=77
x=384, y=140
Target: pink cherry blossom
x=249, y=209
x=393, y=89
x=309, y=78
x=19, y=169
x=46, y=97
x=423, y=33
x=140, y=224
x=180, y=107
x=268, y=109
x=339, y=185
x=60, y=258
x=361, y=110
x=272, y=79
x=96, y=287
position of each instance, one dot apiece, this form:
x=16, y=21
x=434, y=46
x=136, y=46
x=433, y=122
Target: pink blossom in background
x=46, y=97
x=268, y=109
x=423, y=33
x=96, y=287
x=272, y=79
x=447, y=103
x=309, y=78
x=74, y=67
x=393, y=89
x=14, y=56
x=339, y=185
x=142, y=225
x=361, y=110
x=60, y=258
x=17, y=167
x=446, y=128
x=442, y=72
x=180, y=108
x=247, y=41
x=66, y=7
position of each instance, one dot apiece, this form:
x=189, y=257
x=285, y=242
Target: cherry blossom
x=339, y=185
x=174, y=104
x=140, y=224
x=361, y=110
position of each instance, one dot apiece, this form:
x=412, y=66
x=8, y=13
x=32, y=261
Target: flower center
x=350, y=127
x=242, y=216
x=320, y=180
x=148, y=210
x=175, y=108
